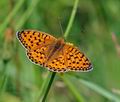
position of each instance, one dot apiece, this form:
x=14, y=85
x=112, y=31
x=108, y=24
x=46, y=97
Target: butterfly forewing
x=32, y=39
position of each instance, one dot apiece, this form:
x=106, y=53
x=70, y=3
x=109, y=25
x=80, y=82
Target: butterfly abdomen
x=59, y=44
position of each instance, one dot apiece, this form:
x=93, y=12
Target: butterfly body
x=55, y=47
x=54, y=54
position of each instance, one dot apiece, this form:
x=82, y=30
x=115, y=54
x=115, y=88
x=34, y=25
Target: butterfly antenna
x=61, y=29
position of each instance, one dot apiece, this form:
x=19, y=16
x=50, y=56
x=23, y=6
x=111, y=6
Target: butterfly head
x=61, y=40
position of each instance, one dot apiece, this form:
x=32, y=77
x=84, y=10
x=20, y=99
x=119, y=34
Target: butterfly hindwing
x=57, y=63
x=38, y=56
x=76, y=60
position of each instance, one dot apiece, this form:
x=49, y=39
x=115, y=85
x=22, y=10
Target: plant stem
x=27, y=14
x=4, y=79
x=71, y=19
x=11, y=15
x=49, y=85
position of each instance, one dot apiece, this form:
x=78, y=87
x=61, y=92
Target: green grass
x=90, y=28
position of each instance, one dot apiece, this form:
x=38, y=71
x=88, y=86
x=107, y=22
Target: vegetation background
x=95, y=30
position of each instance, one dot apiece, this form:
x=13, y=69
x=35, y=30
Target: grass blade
x=99, y=90
x=72, y=88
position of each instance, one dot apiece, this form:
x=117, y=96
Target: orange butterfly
x=54, y=54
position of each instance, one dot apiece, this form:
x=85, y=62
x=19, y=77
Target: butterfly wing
x=38, y=56
x=76, y=60
x=32, y=39
x=57, y=63
x=37, y=44
x=69, y=58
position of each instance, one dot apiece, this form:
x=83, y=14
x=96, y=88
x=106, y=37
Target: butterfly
x=52, y=53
